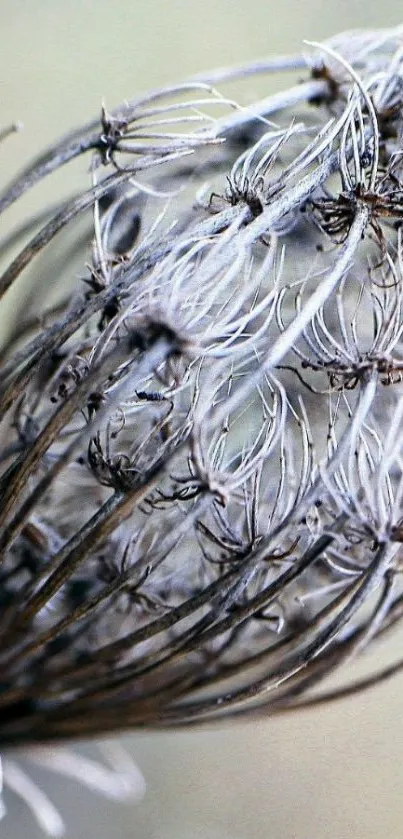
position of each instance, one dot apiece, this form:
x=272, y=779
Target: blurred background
x=333, y=772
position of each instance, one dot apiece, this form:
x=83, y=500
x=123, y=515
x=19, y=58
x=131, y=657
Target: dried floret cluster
x=201, y=463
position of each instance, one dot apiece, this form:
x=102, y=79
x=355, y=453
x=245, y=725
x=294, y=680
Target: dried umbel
x=201, y=454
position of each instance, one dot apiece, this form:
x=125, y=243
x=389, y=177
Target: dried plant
x=201, y=464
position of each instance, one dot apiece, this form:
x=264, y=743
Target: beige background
x=337, y=772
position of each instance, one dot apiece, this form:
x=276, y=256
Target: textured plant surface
x=201, y=463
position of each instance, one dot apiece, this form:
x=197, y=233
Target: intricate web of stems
x=201, y=466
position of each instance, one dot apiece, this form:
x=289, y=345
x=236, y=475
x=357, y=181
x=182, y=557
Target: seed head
x=201, y=466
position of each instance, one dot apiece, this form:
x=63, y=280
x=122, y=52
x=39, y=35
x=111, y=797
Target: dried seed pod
x=200, y=467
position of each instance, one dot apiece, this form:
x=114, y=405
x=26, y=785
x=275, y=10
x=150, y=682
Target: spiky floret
x=201, y=464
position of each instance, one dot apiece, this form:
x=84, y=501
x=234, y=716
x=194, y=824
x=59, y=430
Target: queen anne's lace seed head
x=201, y=468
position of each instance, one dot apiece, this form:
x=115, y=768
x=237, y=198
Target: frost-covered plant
x=201, y=464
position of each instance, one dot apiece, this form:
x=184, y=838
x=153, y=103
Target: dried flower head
x=201, y=468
